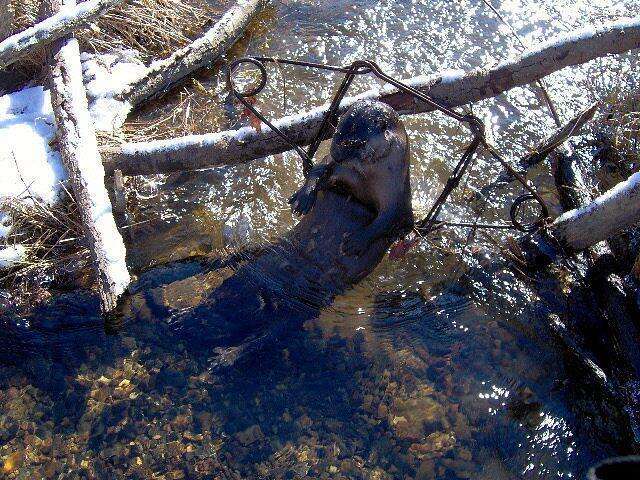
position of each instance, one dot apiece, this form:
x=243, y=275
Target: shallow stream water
x=435, y=366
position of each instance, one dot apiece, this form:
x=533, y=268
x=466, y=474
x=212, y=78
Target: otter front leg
x=323, y=176
x=302, y=201
x=384, y=224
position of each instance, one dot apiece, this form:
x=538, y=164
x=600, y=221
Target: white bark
x=162, y=74
x=51, y=29
x=451, y=89
x=80, y=156
x=610, y=213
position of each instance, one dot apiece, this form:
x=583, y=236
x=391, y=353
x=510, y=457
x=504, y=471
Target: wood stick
x=635, y=271
x=540, y=153
x=163, y=74
x=80, y=156
x=51, y=29
x=610, y=213
x=572, y=190
x=450, y=89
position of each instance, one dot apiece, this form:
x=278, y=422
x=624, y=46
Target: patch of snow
x=105, y=76
x=30, y=167
x=5, y=225
x=12, y=256
x=30, y=101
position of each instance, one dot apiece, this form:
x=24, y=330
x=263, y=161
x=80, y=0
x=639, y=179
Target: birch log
x=610, y=213
x=451, y=89
x=80, y=156
x=163, y=74
x=50, y=29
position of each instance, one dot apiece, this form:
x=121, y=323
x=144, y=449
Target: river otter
x=369, y=158
x=366, y=200
x=361, y=207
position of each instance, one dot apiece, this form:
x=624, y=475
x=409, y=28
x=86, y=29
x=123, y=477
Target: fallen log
x=163, y=74
x=610, y=213
x=572, y=190
x=79, y=151
x=450, y=89
x=616, y=333
x=51, y=29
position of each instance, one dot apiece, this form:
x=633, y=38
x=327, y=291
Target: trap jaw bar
x=362, y=67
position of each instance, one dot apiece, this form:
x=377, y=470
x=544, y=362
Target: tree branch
x=163, y=74
x=450, y=89
x=51, y=29
x=610, y=213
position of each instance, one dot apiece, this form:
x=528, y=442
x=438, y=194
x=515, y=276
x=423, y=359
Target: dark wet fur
x=361, y=122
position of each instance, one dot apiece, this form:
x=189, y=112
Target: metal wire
x=363, y=67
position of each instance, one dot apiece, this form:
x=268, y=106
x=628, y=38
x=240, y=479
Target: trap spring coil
x=363, y=67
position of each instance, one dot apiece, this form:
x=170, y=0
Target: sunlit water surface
x=433, y=367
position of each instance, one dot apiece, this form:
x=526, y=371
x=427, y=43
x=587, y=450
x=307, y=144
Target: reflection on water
x=431, y=368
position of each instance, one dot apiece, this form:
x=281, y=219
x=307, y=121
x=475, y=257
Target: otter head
x=367, y=132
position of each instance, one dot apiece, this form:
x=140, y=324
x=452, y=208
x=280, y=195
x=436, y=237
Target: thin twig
x=541, y=84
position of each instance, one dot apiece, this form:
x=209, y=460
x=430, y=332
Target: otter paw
x=302, y=201
x=356, y=244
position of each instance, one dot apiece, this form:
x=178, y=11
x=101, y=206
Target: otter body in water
x=365, y=202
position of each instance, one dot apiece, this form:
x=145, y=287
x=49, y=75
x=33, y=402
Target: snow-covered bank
x=30, y=165
x=12, y=255
x=105, y=76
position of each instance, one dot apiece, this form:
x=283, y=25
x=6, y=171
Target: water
x=435, y=366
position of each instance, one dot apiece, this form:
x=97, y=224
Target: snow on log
x=449, y=88
x=162, y=74
x=610, y=213
x=51, y=29
x=11, y=256
x=80, y=156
